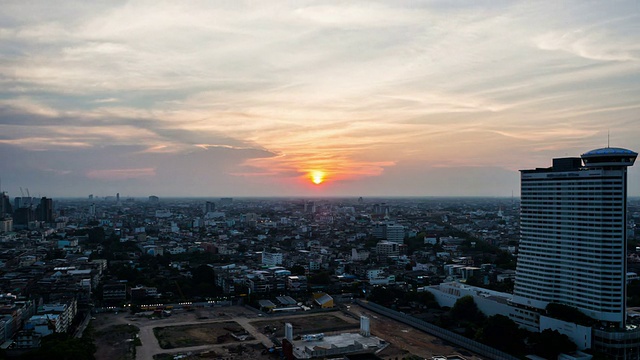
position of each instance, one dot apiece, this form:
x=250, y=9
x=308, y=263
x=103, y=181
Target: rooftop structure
x=334, y=345
x=320, y=345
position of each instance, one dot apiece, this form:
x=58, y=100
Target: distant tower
x=5, y=205
x=210, y=206
x=288, y=331
x=395, y=233
x=44, y=211
x=365, y=327
x=118, y=197
x=310, y=207
x=226, y=201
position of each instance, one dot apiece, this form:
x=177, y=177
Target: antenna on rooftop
x=608, y=138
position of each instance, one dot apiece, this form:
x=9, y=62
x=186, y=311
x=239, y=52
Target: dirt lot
x=116, y=342
x=306, y=324
x=406, y=340
x=230, y=352
x=198, y=334
x=186, y=330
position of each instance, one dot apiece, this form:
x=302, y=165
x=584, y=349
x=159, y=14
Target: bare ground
x=307, y=324
x=115, y=342
x=406, y=340
x=198, y=334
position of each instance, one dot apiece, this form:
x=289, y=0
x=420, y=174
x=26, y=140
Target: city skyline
x=310, y=98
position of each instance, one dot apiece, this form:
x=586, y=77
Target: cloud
x=272, y=91
x=121, y=174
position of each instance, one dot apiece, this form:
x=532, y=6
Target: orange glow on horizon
x=317, y=177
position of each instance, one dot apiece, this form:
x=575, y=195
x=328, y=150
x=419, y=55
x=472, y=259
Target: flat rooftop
x=302, y=349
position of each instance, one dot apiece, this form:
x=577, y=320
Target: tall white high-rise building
x=573, y=235
x=395, y=233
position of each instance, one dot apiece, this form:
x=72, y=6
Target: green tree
x=96, y=235
x=63, y=347
x=569, y=314
x=549, y=343
x=466, y=310
x=415, y=243
x=424, y=297
x=297, y=270
x=633, y=293
x=505, y=260
x=203, y=273
x=502, y=333
x=382, y=295
x=321, y=278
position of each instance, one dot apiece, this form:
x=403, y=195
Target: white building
x=380, y=277
x=573, y=243
x=488, y=301
x=6, y=225
x=163, y=213
x=271, y=259
x=395, y=233
x=359, y=255
x=387, y=248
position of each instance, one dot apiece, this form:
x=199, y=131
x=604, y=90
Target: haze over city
x=310, y=98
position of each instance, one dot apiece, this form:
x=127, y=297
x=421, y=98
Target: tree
x=569, y=314
x=466, y=310
x=321, y=278
x=415, y=243
x=96, y=235
x=474, y=281
x=202, y=282
x=549, y=343
x=63, y=347
x=502, y=333
x=633, y=293
x=424, y=297
x=505, y=260
x=297, y=270
x=203, y=273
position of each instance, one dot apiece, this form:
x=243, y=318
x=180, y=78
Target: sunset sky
x=268, y=98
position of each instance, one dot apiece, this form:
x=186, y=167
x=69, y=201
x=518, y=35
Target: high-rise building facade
x=44, y=211
x=5, y=205
x=395, y=233
x=209, y=206
x=573, y=235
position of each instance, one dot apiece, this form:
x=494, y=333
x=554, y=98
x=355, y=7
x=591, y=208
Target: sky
x=310, y=98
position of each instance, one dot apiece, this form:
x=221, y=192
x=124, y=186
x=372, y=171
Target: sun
x=317, y=177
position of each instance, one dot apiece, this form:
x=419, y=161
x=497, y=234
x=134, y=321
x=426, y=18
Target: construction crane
x=185, y=304
x=29, y=196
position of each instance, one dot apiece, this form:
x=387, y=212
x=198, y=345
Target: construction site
x=236, y=332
